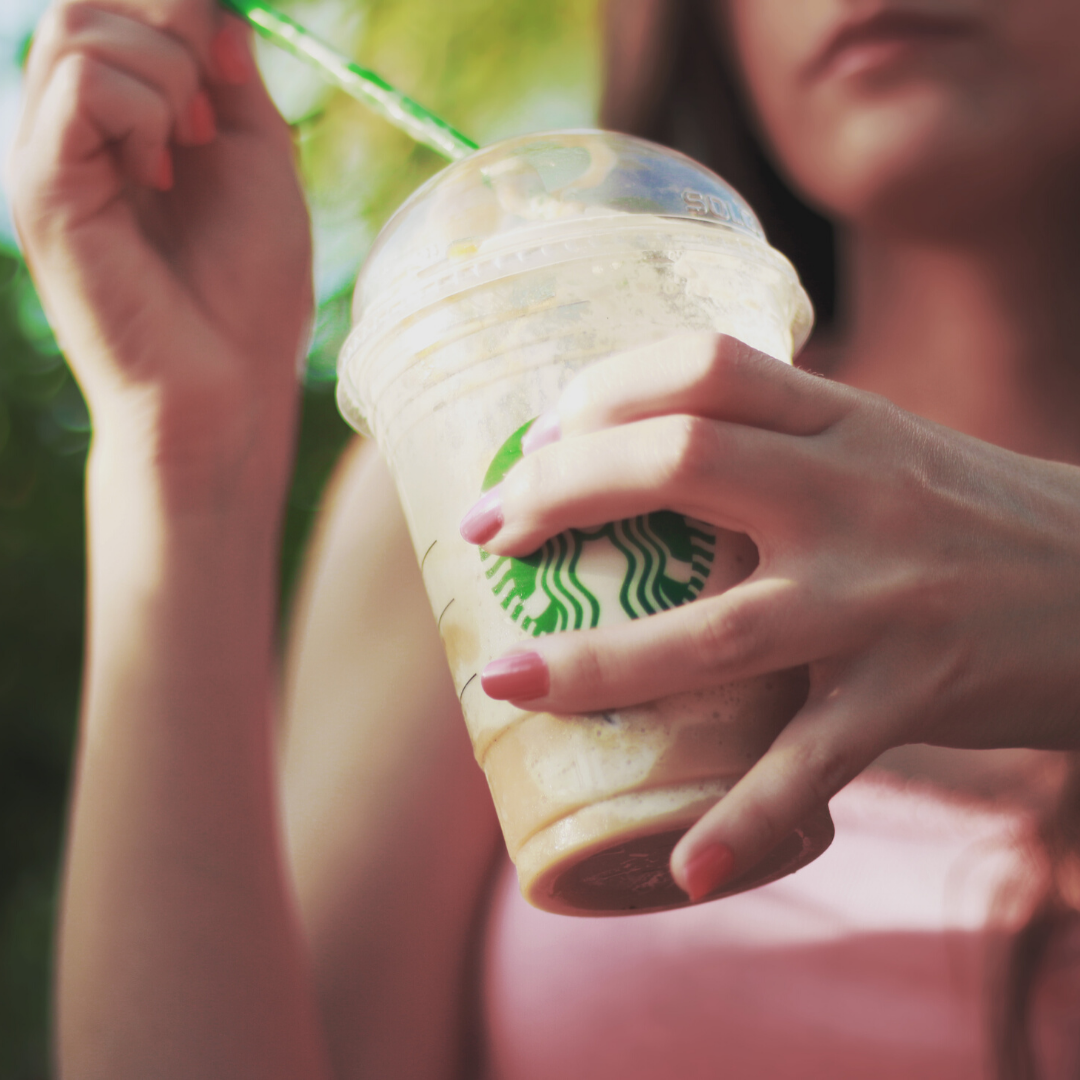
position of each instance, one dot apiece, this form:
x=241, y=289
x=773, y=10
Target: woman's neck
x=983, y=337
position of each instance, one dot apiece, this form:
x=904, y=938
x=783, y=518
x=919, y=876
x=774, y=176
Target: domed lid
x=540, y=183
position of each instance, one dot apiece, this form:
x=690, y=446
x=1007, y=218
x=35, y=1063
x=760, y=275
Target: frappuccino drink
x=490, y=288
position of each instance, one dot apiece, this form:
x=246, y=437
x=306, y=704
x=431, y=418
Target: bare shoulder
x=390, y=826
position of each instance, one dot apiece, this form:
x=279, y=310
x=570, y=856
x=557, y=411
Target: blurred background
x=493, y=68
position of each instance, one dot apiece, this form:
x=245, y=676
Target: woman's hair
x=669, y=79
x=666, y=80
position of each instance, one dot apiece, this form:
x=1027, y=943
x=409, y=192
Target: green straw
x=411, y=117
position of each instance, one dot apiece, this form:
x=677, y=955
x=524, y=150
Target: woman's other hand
x=153, y=189
x=154, y=192
x=930, y=581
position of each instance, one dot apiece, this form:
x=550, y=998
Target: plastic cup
x=487, y=291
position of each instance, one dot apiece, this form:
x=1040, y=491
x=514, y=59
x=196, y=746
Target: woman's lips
x=883, y=39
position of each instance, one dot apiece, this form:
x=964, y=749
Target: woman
x=927, y=574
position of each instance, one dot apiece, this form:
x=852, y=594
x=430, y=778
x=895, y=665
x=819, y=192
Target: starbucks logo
x=582, y=577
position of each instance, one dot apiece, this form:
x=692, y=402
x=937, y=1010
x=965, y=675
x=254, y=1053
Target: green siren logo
x=634, y=567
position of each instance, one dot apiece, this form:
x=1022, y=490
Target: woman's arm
x=180, y=951
x=154, y=193
x=391, y=828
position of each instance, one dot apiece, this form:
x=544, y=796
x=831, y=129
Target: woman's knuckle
x=589, y=672
x=730, y=356
x=527, y=480
x=183, y=80
x=865, y=417
x=57, y=27
x=826, y=766
x=45, y=45
x=690, y=450
x=189, y=20
x=46, y=29
x=766, y=828
x=706, y=364
x=728, y=636
x=79, y=75
x=695, y=355
x=158, y=122
x=581, y=393
x=71, y=19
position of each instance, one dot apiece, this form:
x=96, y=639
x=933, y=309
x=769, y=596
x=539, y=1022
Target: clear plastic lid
x=545, y=184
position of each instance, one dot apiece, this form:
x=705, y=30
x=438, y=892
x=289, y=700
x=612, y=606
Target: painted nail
x=517, y=677
x=484, y=519
x=200, y=118
x=163, y=171
x=545, y=430
x=708, y=870
x=230, y=53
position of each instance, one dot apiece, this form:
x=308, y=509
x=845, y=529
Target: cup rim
x=555, y=244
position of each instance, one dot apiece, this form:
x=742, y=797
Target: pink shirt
x=870, y=962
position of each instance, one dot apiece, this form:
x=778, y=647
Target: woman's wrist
x=225, y=460
x=208, y=551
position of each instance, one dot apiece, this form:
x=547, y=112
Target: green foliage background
x=493, y=68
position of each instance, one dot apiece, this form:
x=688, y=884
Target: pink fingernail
x=163, y=172
x=545, y=430
x=708, y=870
x=517, y=677
x=484, y=519
x=200, y=118
x=229, y=51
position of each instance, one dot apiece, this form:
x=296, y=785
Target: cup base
x=566, y=869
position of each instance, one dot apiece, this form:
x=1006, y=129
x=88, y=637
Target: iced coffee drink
x=490, y=288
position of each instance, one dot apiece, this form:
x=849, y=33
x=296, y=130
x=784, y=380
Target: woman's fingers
x=698, y=423
x=241, y=99
x=188, y=52
x=88, y=105
x=106, y=94
x=740, y=478
x=110, y=92
x=760, y=626
x=700, y=374
x=835, y=736
x=159, y=60
x=192, y=24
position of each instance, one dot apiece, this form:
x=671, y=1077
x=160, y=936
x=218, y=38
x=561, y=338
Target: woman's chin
x=909, y=170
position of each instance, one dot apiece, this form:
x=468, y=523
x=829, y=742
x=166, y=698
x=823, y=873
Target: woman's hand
x=930, y=581
x=153, y=189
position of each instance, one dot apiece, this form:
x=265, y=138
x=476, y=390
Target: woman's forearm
x=180, y=952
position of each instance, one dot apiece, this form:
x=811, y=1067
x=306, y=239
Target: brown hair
x=668, y=80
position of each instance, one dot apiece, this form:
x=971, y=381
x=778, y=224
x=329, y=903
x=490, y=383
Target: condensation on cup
x=491, y=287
